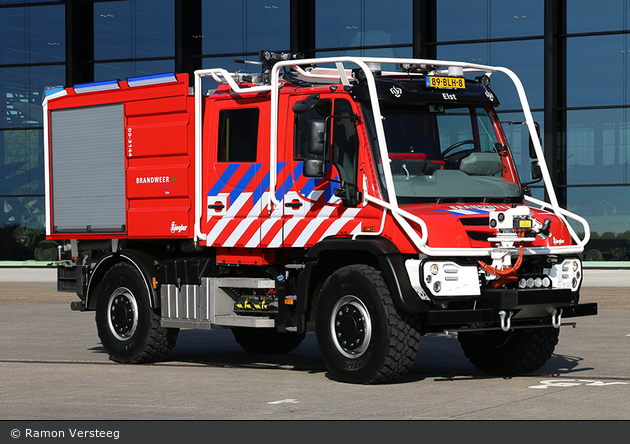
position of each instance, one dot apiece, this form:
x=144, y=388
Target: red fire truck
x=330, y=195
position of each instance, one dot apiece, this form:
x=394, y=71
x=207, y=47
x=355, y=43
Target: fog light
x=546, y=282
x=538, y=282
x=575, y=266
x=437, y=287
x=530, y=283
x=574, y=283
x=434, y=269
x=522, y=283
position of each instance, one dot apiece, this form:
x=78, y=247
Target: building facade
x=573, y=60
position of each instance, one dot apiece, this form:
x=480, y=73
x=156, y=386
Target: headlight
x=567, y=274
x=451, y=279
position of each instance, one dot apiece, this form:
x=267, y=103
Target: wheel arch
x=329, y=255
x=142, y=262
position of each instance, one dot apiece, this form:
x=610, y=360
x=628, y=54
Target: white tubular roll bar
x=404, y=218
x=47, y=159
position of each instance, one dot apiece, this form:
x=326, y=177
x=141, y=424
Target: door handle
x=293, y=204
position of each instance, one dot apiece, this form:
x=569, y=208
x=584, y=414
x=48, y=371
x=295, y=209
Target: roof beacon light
x=455, y=71
x=151, y=80
x=97, y=86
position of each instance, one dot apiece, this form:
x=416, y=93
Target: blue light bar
x=50, y=90
x=151, y=80
x=97, y=86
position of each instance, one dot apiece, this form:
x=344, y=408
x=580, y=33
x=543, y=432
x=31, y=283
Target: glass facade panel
x=362, y=23
x=21, y=162
x=32, y=35
x=134, y=29
x=245, y=26
x=516, y=18
x=597, y=147
x=607, y=210
x=596, y=70
x=462, y=20
x=123, y=70
x=22, y=89
x=586, y=16
x=22, y=228
x=525, y=58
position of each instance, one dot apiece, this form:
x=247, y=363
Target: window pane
x=21, y=162
x=597, y=147
x=471, y=52
x=516, y=18
x=112, y=30
x=523, y=57
x=21, y=90
x=268, y=26
x=586, y=16
x=362, y=23
x=462, y=20
x=596, y=72
x=123, y=70
x=22, y=229
x=154, y=28
x=238, y=135
x=245, y=26
x=134, y=29
x=607, y=210
x=32, y=35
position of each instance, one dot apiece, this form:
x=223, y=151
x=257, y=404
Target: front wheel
x=509, y=353
x=362, y=336
x=128, y=328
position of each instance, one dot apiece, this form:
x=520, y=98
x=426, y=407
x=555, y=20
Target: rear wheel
x=509, y=353
x=361, y=335
x=262, y=341
x=128, y=328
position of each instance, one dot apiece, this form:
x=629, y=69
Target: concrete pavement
x=53, y=367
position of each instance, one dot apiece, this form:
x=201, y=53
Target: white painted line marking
x=285, y=401
x=573, y=383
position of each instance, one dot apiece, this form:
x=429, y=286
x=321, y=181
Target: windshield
x=442, y=153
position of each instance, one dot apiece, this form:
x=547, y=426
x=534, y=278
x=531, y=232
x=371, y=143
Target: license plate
x=446, y=82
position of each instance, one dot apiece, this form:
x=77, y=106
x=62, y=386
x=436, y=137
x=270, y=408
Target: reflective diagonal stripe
x=223, y=180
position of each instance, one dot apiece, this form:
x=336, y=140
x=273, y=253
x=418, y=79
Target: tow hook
x=556, y=318
x=506, y=320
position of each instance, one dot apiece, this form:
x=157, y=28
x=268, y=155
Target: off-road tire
x=362, y=336
x=266, y=341
x=127, y=326
x=509, y=353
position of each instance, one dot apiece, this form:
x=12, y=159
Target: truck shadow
x=440, y=357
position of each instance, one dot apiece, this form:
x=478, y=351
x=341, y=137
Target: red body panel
x=158, y=148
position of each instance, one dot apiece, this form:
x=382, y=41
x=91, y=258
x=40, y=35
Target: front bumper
x=528, y=307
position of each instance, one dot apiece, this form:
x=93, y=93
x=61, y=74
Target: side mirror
x=532, y=151
x=536, y=171
x=314, y=168
x=316, y=137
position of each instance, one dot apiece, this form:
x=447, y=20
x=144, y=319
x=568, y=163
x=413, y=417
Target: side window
x=345, y=141
x=238, y=135
x=300, y=144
